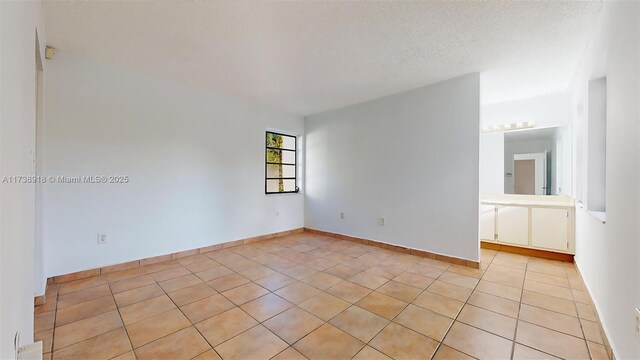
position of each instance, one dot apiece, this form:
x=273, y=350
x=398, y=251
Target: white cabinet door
x=550, y=228
x=513, y=225
x=487, y=222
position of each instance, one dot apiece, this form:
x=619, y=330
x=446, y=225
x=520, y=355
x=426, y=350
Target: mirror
x=526, y=162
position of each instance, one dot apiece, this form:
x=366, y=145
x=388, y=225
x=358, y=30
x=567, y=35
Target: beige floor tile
x=170, y=273
x=146, y=309
x=257, y=272
x=155, y=327
x=495, y=303
x=488, y=320
x=245, y=293
x=47, y=340
x=297, y=292
x=439, y=304
x=179, y=283
x=226, y=325
x=381, y=304
x=449, y=290
x=208, y=355
x=359, y=323
x=322, y=280
x=126, y=274
x=549, y=268
x=349, y=291
x=275, y=282
x=548, y=302
x=548, y=279
x=521, y=352
x=386, y=271
x=580, y=296
x=504, y=275
x=368, y=280
x=214, y=273
x=289, y=354
x=44, y=321
x=586, y=312
x=550, y=319
x=342, y=271
x=81, y=284
x=369, y=353
x=542, y=288
x=415, y=280
x=511, y=260
x=136, y=295
x=328, y=342
x=458, y=279
x=597, y=351
x=206, y=308
x=299, y=272
x=551, y=342
x=192, y=293
x=424, y=321
x=467, y=271
x=399, y=342
x=84, y=310
x=103, y=346
x=202, y=266
x=496, y=289
x=192, y=259
x=81, y=296
x=477, y=343
x=293, y=324
x=182, y=344
x=592, y=331
x=266, y=307
x=447, y=353
x=129, y=355
x=228, y=282
x=426, y=270
x=74, y=332
x=162, y=266
x=399, y=291
x=132, y=283
x=324, y=306
x=256, y=343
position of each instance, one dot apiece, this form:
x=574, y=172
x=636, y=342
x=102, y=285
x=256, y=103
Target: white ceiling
x=308, y=57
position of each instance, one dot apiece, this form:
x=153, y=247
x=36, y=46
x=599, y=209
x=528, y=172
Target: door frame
x=540, y=170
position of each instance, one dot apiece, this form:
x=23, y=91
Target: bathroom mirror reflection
x=533, y=161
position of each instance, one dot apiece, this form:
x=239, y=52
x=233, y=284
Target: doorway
x=530, y=173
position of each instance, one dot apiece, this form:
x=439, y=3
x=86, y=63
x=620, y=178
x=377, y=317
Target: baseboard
x=527, y=251
x=397, y=248
x=156, y=259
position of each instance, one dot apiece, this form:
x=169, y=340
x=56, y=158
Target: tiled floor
x=315, y=297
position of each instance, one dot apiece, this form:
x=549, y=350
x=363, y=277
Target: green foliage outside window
x=275, y=156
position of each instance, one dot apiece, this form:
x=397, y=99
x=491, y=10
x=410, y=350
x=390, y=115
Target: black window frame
x=267, y=163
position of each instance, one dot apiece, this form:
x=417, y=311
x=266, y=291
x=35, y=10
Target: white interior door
x=540, y=170
x=513, y=225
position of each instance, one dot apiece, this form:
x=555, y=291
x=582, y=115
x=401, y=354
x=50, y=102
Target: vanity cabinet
x=537, y=225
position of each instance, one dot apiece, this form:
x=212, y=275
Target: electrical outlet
x=637, y=322
x=382, y=221
x=102, y=239
x=342, y=215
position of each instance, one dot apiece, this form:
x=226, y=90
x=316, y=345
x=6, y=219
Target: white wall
x=492, y=163
x=18, y=24
x=607, y=254
x=411, y=157
x=195, y=162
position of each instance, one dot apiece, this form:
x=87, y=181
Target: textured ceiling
x=308, y=57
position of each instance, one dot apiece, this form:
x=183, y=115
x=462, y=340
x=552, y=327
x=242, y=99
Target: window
x=280, y=165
